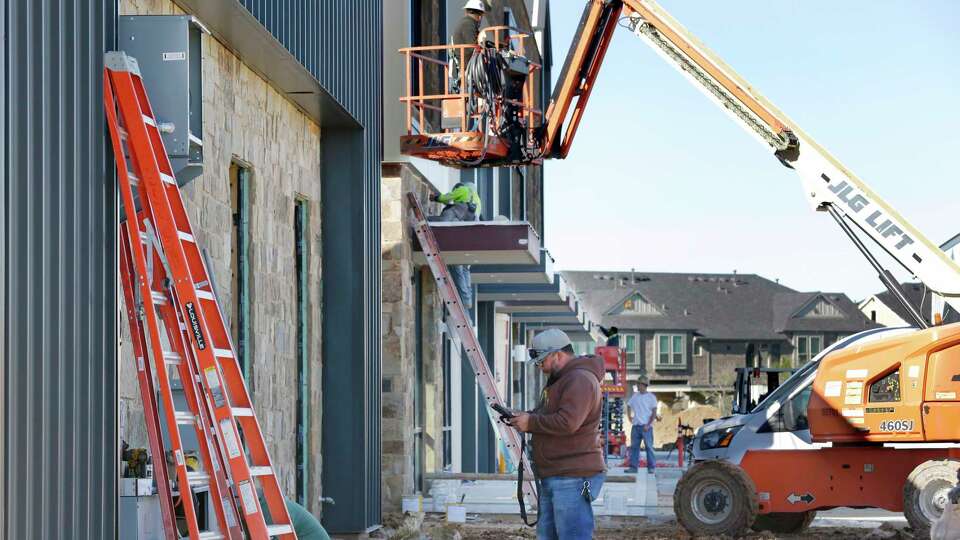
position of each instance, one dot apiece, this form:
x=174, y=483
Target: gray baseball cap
x=546, y=342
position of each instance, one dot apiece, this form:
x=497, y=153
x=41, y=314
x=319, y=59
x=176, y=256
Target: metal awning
x=555, y=291
x=484, y=243
x=515, y=274
x=537, y=305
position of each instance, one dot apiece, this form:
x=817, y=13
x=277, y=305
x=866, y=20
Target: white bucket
x=456, y=513
x=412, y=504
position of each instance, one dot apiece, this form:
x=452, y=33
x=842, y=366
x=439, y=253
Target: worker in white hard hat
x=468, y=29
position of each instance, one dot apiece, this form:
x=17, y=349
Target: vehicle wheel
x=784, y=522
x=925, y=493
x=715, y=498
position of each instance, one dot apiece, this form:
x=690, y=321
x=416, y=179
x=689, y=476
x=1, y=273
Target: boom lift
x=878, y=410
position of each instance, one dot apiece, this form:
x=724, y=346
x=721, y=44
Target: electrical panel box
x=167, y=48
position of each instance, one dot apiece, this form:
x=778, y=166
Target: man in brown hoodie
x=565, y=426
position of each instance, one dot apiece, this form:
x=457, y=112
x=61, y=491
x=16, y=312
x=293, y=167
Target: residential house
x=884, y=309
x=687, y=332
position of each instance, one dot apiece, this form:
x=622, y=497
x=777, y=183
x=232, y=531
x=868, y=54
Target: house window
x=671, y=351
x=807, y=348
x=630, y=346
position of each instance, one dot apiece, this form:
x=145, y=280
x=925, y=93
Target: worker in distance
x=566, y=452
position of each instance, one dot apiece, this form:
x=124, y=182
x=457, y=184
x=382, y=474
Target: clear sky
x=660, y=179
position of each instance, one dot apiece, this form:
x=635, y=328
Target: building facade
x=291, y=146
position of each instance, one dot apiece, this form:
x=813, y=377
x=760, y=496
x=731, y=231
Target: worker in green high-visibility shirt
x=462, y=203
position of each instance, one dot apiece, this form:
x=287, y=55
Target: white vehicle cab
x=779, y=422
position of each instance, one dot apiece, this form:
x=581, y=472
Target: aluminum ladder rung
x=158, y=298
x=241, y=411
x=261, y=471
x=167, y=179
x=185, y=236
x=172, y=358
x=277, y=530
x=204, y=295
x=223, y=353
x=184, y=418
x=211, y=535
x=198, y=478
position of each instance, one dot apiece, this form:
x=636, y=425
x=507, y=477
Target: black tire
x=784, y=522
x=925, y=493
x=715, y=498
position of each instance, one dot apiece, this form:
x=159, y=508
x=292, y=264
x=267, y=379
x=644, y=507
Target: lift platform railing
x=443, y=117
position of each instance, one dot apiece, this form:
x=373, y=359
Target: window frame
x=638, y=357
x=672, y=352
x=807, y=340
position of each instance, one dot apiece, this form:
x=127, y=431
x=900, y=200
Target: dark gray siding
x=59, y=275
x=340, y=43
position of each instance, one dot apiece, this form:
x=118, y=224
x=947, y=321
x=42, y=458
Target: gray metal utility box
x=167, y=48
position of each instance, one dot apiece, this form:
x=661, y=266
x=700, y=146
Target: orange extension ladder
x=468, y=339
x=165, y=282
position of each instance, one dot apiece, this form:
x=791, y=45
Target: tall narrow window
x=303, y=371
x=447, y=436
x=630, y=347
x=504, y=192
x=240, y=266
x=418, y=450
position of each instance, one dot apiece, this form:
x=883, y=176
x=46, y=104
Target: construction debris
x=490, y=527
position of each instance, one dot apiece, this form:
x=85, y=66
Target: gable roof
x=788, y=311
x=715, y=306
x=619, y=307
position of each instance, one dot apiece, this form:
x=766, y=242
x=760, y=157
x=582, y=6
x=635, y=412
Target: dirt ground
x=434, y=527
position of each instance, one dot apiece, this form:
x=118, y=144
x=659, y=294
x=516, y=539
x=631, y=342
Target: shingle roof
x=716, y=306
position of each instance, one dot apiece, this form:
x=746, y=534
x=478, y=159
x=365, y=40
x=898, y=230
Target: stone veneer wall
x=247, y=119
x=399, y=342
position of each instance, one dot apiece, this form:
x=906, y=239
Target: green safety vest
x=462, y=193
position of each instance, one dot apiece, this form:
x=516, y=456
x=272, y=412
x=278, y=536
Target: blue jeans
x=637, y=433
x=564, y=513
x=459, y=273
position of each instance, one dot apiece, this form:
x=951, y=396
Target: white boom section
x=825, y=180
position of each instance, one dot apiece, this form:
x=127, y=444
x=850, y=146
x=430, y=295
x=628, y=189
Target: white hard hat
x=476, y=5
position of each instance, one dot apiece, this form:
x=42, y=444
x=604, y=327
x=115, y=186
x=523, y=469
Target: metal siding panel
x=59, y=275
